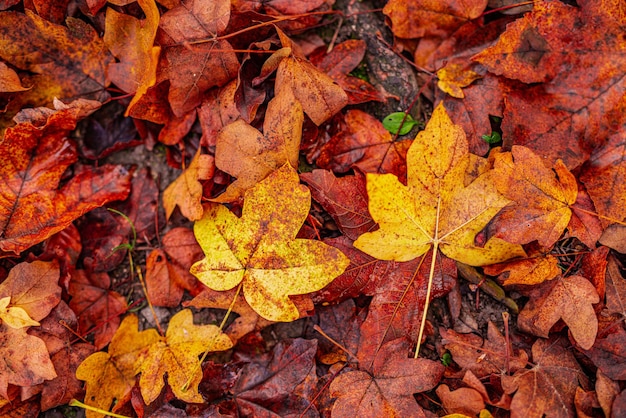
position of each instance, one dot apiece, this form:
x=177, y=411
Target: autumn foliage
x=205, y=212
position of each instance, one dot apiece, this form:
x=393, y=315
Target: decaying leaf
x=176, y=356
x=435, y=208
x=568, y=298
x=110, y=376
x=260, y=249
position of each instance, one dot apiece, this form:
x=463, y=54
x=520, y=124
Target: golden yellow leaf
x=453, y=77
x=177, y=356
x=15, y=317
x=110, y=376
x=261, y=248
x=186, y=190
x=435, y=208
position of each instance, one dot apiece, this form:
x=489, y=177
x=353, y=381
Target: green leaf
x=396, y=121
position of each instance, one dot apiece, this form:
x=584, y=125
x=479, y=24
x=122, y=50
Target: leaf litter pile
x=304, y=209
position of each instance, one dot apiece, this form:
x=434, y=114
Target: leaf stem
x=75, y=402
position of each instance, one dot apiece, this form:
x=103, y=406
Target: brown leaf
x=609, y=354
x=606, y=390
x=62, y=61
x=167, y=269
x=568, y=298
x=33, y=287
x=9, y=80
x=218, y=110
x=196, y=19
x=186, y=190
x=243, y=152
x=615, y=288
x=578, y=96
x=37, y=153
x=364, y=143
x=419, y=18
x=26, y=360
x=344, y=198
x=388, y=390
x=96, y=307
x=466, y=401
x=481, y=357
x=529, y=271
x=548, y=388
x=543, y=199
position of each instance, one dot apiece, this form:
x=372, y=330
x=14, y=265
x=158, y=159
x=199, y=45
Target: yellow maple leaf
x=110, y=376
x=260, y=249
x=435, y=208
x=177, y=356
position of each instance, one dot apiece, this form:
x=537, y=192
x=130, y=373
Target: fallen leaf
x=609, y=354
x=607, y=390
x=543, y=197
x=463, y=401
x=418, y=18
x=33, y=288
x=281, y=384
x=15, y=317
x=217, y=110
x=584, y=223
x=167, y=269
x=388, y=389
x=97, y=308
x=62, y=61
x=530, y=271
x=36, y=154
x=568, y=298
x=9, y=80
x=548, y=388
x=260, y=250
x=483, y=357
x=196, y=19
x=366, y=144
x=338, y=64
x=131, y=41
x=26, y=361
x=176, y=356
x=110, y=376
x=579, y=95
x=186, y=191
x=615, y=288
x=243, y=152
x=605, y=178
x=453, y=77
x=435, y=209
x=344, y=198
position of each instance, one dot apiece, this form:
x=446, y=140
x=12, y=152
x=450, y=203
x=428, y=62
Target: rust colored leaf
x=543, y=197
x=584, y=223
x=481, y=357
x=36, y=153
x=97, y=308
x=388, y=390
x=196, y=19
x=167, y=269
x=9, y=80
x=33, y=287
x=568, y=298
x=260, y=249
x=530, y=271
x=344, y=58
x=344, y=198
x=131, y=41
x=26, y=361
x=366, y=144
x=399, y=301
x=192, y=72
x=578, y=95
x=418, y=18
x=217, y=111
x=462, y=401
x=249, y=155
x=609, y=354
x=607, y=390
x=63, y=61
x=281, y=384
x=176, y=356
x=186, y=191
x=110, y=376
x=65, y=386
x=319, y=96
x=548, y=388
x=615, y=288
x=605, y=178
